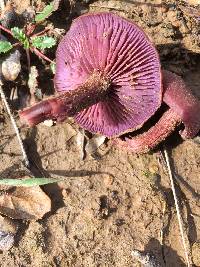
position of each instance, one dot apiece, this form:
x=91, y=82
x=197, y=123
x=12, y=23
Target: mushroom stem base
x=144, y=142
x=69, y=103
x=180, y=98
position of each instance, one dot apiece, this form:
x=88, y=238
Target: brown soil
x=114, y=202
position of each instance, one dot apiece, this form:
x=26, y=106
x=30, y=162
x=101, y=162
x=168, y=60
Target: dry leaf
x=94, y=143
x=80, y=139
x=69, y=131
x=25, y=203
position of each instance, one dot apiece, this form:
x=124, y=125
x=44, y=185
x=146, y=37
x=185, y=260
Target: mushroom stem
x=156, y=134
x=179, y=98
x=69, y=103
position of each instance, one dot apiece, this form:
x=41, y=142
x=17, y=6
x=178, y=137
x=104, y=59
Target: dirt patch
x=112, y=203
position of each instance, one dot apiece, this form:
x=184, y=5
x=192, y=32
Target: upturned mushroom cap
x=121, y=52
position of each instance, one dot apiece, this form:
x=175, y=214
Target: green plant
x=34, y=42
x=28, y=182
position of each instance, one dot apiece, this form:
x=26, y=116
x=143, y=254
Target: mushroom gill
x=126, y=94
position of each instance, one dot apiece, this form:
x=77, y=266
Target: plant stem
x=16, y=44
x=180, y=220
x=28, y=60
x=40, y=33
x=30, y=29
x=41, y=55
x=5, y=29
x=25, y=157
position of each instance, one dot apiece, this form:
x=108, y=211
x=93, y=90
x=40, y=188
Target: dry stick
x=180, y=220
x=41, y=33
x=5, y=29
x=25, y=157
x=162, y=228
x=40, y=54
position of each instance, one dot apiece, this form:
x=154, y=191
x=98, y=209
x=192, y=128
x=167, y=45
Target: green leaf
x=21, y=36
x=43, y=42
x=45, y=13
x=29, y=181
x=5, y=46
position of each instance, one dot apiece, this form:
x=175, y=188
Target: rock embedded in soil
x=8, y=230
x=11, y=66
x=147, y=259
x=28, y=203
x=196, y=253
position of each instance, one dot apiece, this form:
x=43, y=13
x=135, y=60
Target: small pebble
x=11, y=67
x=8, y=230
x=153, y=168
x=6, y=241
x=196, y=253
x=48, y=123
x=108, y=180
x=164, y=8
x=147, y=259
x=94, y=143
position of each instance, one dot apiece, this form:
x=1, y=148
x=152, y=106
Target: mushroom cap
x=121, y=51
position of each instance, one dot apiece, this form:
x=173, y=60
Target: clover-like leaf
x=43, y=42
x=5, y=46
x=21, y=36
x=45, y=13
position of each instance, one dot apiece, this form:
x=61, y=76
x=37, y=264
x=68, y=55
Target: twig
x=180, y=220
x=162, y=227
x=5, y=29
x=40, y=54
x=41, y=33
x=25, y=157
x=162, y=230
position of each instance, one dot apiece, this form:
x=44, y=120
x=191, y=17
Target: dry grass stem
x=25, y=157
x=180, y=220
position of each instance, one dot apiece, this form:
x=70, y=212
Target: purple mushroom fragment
x=183, y=108
x=108, y=77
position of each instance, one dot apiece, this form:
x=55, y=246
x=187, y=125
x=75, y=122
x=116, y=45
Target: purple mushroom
x=108, y=78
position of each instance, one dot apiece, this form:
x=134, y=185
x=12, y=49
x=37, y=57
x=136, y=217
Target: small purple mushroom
x=108, y=77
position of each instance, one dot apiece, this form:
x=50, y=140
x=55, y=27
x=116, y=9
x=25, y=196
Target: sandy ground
x=115, y=201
